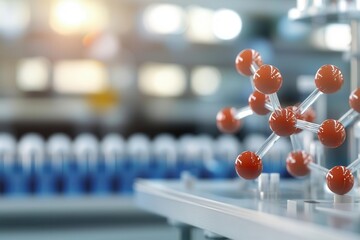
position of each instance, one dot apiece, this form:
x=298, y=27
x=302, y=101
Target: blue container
x=16, y=180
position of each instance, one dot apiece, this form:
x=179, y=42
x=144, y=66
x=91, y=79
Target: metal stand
x=337, y=11
x=185, y=233
x=355, y=76
x=184, y=229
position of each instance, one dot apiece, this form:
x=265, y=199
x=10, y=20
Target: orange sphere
x=354, y=100
x=267, y=79
x=329, y=79
x=282, y=122
x=331, y=133
x=257, y=102
x=248, y=165
x=297, y=115
x=297, y=163
x=226, y=121
x=340, y=180
x=245, y=59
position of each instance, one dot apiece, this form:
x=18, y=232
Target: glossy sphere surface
x=282, y=122
x=297, y=163
x=331, y=133
x=244, y=60
x=226, y=122
x=257, y=102
x=340, y=180
x=267, y=79
x=248, y=165
x=329, y=79
x=354, y=100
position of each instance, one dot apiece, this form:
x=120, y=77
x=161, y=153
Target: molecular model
x=266, y=80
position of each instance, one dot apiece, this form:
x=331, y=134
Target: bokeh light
x=227, y=24
x=80, y=77
x=205, y=80
x=33, y=74
x=14, y=18
x=164, y=19
x=78, y=16
x=162, y=80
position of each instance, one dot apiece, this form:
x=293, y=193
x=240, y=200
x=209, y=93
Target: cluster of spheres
x=289, y=121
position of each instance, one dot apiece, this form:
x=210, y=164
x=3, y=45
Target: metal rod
x=348, y=117
x=269, y=107
x=354, y=75
x=355, y=47
x=354, y=166
x=295, y=142
x=254, y=68
x=318, y=168
x=243, y=112
x=274, y=101
x=309, y=100
x=267, y=145
x=313, y=127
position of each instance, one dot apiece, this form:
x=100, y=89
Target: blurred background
x=143, y=67
x=147, y=66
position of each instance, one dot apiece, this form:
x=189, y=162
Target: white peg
x=113, y=149
x=139, y=148
x=59, y=148
x=7, y=149
x=31, y=150
x=86, y=149
x=164, y=147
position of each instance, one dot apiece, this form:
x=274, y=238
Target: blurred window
x=14, y=18
x=205, y=80
x=32, y=74
x=162, y=80
x=78, y=16
x=226, y=24
x=164, y=19
x=327, y=37
x=200, y=25
x=80, y=77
